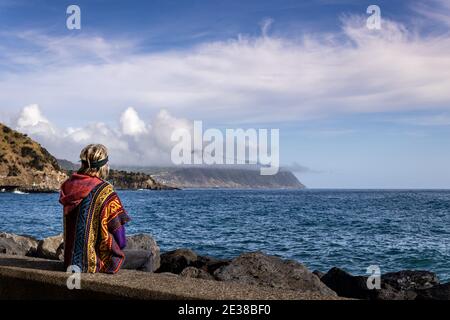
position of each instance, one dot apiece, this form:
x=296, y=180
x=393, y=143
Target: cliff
x=203, y=177
x=25, y=165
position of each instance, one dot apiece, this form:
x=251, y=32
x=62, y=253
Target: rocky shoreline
x=254, y=268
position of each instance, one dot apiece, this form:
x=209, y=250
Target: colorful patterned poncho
x=93, y=214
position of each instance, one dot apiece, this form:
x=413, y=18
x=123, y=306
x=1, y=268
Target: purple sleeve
x=119, y=236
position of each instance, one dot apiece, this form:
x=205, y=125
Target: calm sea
x=351, y=229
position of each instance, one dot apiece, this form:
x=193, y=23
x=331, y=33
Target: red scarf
x=75, y=189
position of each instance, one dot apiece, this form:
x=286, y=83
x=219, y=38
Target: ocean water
x=350, y=229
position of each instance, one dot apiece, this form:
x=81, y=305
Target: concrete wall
x=31, y=278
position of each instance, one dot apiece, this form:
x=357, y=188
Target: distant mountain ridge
x=198, y=177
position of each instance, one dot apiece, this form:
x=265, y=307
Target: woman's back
x=94, y=217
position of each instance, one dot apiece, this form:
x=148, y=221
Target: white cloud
x=249, y=79
x=32, y=120
x=129, y=145
x=131, y=123
x=163, y=127
x=31, y=116
x=134, y=142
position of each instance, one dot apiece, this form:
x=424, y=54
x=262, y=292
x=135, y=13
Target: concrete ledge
x=32, y=278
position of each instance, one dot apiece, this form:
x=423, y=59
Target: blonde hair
x=94, y=153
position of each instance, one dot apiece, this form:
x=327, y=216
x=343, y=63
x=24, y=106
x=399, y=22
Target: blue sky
x=356, y=108
x=168, y=24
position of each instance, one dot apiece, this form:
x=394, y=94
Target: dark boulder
x=347, y=285
x=257, y=268
x=403, y=285
x=210, y=264
x=318, y=273
x=438, y=292
x=400, y=285
x=176, y=261
x=388, y=292
x=410, y=280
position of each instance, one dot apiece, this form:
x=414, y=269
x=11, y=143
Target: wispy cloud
x=31, y=50
x=249, y=79
x=425, y=120
x=434, y=10
x=328, y=133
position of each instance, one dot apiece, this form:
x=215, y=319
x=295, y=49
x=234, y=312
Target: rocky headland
x=25, y=165
x=254, y=269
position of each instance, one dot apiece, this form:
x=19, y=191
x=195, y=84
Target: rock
x=176, y=261
x=192, y=272
x=257, y=268
x=147, y=243
x=410, y=280
x=51, y=248
x=438, y=292
x=403, y=285
x=140, y=242
x=210, y=264
x=318, y=273
x=400, y=285
x=388, y=292
x=17, y=245
x=346, y=285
